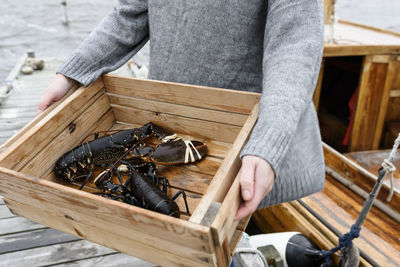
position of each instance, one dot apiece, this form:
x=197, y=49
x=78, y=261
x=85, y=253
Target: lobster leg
x=86, y=180
x=181, y=192
x=118, y=175
x=165, y=181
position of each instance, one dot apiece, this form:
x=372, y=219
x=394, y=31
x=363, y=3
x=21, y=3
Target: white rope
x=388, y=166
x=252, y=251
x=170, y=137
x=189, y=152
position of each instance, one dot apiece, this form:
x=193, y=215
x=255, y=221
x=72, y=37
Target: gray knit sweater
x=273, y=47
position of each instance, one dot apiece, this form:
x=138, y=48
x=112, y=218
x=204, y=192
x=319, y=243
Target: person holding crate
x=274, y=47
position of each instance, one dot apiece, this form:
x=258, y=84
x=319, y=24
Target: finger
x=246, y=209
x=242, y=213
x=247, y=180
x=263, y=183
x=41, y=107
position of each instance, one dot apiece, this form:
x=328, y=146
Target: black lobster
x=109, y=150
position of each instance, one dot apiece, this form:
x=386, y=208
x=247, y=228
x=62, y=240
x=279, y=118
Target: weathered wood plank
x=228, y=170
x=108, y=260
x=226, y=214
x=191, y=95
x=33, y=239
x=180, y=110
x=215, y=148
x=5, y=212
x=372, y=161
x=339, y=207
x=99, y=212
x=320, y=226
x=194, y=127
x=58, y=253
x=17, y=224
x=371, y=106
x=359, y=176
x=124, y=241
x=95, y=118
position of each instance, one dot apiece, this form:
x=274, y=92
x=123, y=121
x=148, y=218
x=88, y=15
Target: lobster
x=80, y=161
x=129, y=147
x=141, y=190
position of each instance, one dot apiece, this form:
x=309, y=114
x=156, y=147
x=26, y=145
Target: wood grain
x=369, y=103
x=227, y=171
x=95, y=118
x=191, y=95
x=358, y=176
x=123, y=241
x=206, y=114
x=94, y=210
x=33, y=239
x=194, y=127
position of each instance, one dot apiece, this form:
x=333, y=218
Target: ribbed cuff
x=78, y=69
x=269, y=144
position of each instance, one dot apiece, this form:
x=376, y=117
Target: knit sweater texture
x=273, y=47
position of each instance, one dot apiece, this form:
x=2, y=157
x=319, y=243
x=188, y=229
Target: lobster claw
x=178, y=151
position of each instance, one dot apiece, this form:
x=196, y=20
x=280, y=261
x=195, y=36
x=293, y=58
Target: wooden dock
x=25, y=243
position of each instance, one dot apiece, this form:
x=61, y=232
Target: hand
x=54, y=92
x=256, y=181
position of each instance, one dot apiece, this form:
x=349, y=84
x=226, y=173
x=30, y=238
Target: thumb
x=42, y=106
x=247, y=180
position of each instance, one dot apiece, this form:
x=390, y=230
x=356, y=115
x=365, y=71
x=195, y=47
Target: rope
x=189, y=152
x=388, y=166
x=346, y=240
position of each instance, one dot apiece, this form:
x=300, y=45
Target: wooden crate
x=221, y=118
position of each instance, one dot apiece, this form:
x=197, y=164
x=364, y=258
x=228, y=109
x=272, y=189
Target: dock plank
x=17, y=224
x=59, y=253
x=120, y=260
x=33, y=239
x=5, y=213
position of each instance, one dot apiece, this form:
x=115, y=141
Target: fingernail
x=246, y=194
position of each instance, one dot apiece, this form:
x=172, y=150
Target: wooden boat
x=330, y=213
x=359, y=70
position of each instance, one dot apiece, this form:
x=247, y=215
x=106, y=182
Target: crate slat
x=203, y=129
x=225, y=175
x=237, y=119
x=91, y=209
x=123, y=241
x=216, y=149
x=94, y=119
x=212, y=98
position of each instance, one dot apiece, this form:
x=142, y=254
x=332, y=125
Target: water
x=382, y=13
x=27, y=25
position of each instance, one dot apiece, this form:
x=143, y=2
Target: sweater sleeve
x=114, y=41
x=293, y=44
